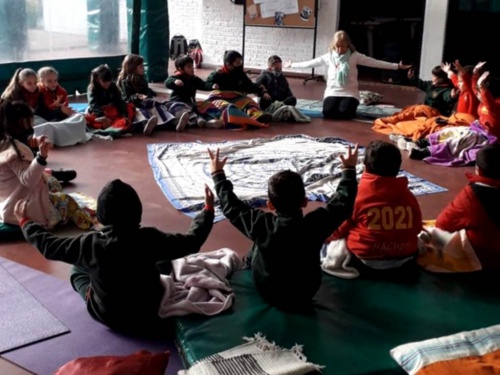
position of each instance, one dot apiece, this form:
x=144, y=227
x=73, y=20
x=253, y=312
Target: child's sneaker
x=265, y=118
x=419, y=154
x=215, y=124
x=64, y=175
x=395, y=137
x=201, y=122
x=183, y=120
x=150, y=125
x=405, y=145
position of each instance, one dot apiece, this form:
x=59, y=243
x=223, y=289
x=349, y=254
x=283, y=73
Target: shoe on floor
x=64, y=175
x=265, y=118
x=419, y=154
x=395, y=137
x=201, y=122
x=183, y=120
x=405, y=145
x=150, y=125
x=215, y=124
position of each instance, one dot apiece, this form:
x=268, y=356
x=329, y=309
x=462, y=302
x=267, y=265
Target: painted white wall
x=218, y=24
x=222, y=29
x=433, y=37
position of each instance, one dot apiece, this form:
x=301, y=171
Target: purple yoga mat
x=87, y=337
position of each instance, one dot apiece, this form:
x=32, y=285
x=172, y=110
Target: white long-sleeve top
x=351, y=87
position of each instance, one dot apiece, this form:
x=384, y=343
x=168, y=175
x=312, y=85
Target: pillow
x=470, y=352
x=369, y=97
x=139, y=363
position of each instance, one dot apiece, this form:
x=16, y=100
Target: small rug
x=182, y=169
x=364, y=113
x=23, y=319
x=87, y=337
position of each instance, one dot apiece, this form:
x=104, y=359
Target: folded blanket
x=288, y=113
x=336, y=260
x=471, y=352
x=257, y=356
x=198, y=284
x=441, y=251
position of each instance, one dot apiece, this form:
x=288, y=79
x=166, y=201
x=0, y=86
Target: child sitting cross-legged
x=115, y=269
x=382, y=232
x=477, y=208
x=285, y=255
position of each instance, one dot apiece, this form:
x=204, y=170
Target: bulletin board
x=281, y=13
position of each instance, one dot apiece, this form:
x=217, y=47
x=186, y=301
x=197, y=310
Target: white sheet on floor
x=198, y=284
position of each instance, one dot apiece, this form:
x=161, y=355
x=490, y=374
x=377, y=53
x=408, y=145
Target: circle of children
x=370, y=228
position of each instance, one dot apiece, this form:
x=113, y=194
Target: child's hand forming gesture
x=178, y=82
x=478, y=67
x=20, y=209
x=351, y=160
x=481, y=80
x=216, y=165
x=446, y=67
x=209, y=197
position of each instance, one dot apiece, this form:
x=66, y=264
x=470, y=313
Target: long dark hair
x=13, y=89
x=102, y=72
x=11, y=113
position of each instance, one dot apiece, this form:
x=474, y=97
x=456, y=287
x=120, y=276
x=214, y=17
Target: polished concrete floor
x=99, y=161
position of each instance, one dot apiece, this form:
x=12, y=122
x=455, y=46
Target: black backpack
x=178, y=46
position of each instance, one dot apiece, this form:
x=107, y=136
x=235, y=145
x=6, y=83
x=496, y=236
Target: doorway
x=389, y=30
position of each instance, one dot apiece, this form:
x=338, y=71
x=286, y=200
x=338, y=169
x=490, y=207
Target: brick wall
x=218, y=24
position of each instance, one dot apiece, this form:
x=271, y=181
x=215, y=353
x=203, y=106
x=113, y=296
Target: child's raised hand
x=287, y=63
x=478, y=67
x=446, y=67
x=44, y=146
x=178, y=82
x=216, y=164
x=482, y=79
x=411, y=73
x=459, y=67
x=209, y=196
x=21, y=209
x=351, y=160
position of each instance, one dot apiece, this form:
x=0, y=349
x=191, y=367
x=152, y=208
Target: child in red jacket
x=477, y=208
x=468, y=102
x=382, y=231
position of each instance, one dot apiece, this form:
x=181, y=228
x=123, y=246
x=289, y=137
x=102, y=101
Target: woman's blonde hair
x=341, y=35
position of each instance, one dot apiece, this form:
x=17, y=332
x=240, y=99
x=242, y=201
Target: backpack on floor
x=178, y=46
x=195, y=51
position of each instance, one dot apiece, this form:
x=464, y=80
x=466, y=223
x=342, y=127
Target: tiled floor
x=98, y=161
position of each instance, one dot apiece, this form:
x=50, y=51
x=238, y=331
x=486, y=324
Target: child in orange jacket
x=382, y=231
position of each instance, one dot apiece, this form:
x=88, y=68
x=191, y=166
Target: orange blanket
x=418, y=121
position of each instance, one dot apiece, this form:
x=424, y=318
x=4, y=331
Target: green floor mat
x=355, y=322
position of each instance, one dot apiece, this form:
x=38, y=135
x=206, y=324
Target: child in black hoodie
x=115, y=269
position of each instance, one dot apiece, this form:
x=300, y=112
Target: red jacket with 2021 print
x=386, y=219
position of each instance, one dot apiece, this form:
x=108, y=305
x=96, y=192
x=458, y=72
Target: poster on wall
x=280, y=13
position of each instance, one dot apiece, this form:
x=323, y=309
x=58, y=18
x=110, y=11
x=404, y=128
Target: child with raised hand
x=106, y=106
x=285, y=255
x=439, y=91
x=462, y=80
x=458, y=146
x=135, y=89
x=55, y=98
x=117, y=279
x=477, y=208
x=382, y=232
x=184, y=84
x=24, y=87
x=25, y=176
